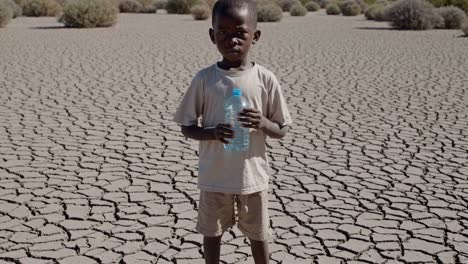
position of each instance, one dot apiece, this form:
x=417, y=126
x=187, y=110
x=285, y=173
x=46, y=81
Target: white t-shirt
x=232, y=172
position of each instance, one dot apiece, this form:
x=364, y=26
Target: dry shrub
x=452, y=16
x=287, y=4
x=322, y=3
x=148, y=6
x=298, y=10
x=17, y=10
x=350, y=8
x=362, y=4
x=312, y=6
x=413, y=15
x=130, y=6
x=462, y=4
x=38, y=8
x=464, y=27
x=201, y=11
x=89, y=13
x=333, y=9
x=376, y=12
x=160, y=4
x=269, y=12
x=180, y=6
x=6, y=14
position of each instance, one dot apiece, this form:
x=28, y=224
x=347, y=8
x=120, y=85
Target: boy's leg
x=260, y=251
x=254, y=223
x=212, y=248
x=215, y=215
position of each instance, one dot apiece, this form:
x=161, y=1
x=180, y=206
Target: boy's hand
x=252, y=118
x=222, y=132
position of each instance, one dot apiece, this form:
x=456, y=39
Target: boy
x=229, y=179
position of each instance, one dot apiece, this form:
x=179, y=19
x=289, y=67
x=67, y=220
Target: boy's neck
x=235, y=66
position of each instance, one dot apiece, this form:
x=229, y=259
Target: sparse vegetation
x=269, y=12
x=376, y=12
x=89, y=13
x=298, y=10
x=287, y=4
x=201, y=11
x=160, y=4
x=350, y=8
x=322, y=3
x=464, y=27
x=37, y=8
x=130, y=6
x=333, y=9
x=412, y=14
x=148, y=6
x=312, y=6
x=6, y=14
x=180, y=6
x=17, y=10
x=453, y=16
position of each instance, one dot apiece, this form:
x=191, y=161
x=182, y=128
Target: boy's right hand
x=222, y=132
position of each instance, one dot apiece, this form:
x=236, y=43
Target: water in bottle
x=232, y=107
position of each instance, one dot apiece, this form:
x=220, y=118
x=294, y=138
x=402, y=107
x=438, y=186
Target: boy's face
x=234, y=34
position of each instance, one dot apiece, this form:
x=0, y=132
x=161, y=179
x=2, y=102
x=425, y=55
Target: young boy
x=233, y=179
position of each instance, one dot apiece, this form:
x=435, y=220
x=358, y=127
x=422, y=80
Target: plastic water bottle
x=232, y=107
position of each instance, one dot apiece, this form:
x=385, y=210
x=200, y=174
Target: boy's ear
x=256, y=37
x=211, y=32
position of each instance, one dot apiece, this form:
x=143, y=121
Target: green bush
x=6, y=14
x=37, y=8
x=17, y=10
x=312, y=6
x=130, y=6
x=464, y=27
x=333, y=9
x=269, y=12
x=201, y=11
x=304, y=2
x=180, y=6
x=412, y=14
x=452, y=16
x=350, y=8
x=376, y=12
x=89, y=13
x=298, y=10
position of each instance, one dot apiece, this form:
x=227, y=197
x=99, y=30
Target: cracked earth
x=93, y=170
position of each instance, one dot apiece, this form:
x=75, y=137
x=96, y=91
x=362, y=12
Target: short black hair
x=221, y=7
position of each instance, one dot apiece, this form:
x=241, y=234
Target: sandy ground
x=93, y=170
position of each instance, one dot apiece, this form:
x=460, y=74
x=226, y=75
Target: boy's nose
x=233, y=41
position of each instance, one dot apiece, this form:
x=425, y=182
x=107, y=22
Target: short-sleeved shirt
x=232, y=172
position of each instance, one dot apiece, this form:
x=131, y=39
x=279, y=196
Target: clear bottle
x=232, y=107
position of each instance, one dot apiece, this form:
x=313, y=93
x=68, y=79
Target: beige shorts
x=217, y=213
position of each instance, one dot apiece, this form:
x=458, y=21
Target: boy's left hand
x=252, y=118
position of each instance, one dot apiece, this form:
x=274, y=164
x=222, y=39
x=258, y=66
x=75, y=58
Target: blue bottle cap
x=237, y=92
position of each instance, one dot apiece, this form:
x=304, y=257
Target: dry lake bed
x=93, y=170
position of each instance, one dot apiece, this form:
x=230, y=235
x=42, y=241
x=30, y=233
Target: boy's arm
x=221, y=132
x=252, y=118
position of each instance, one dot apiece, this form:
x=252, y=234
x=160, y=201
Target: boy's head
x=234, y=28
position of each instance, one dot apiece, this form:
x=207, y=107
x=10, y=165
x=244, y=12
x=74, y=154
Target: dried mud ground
x=93, y=170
